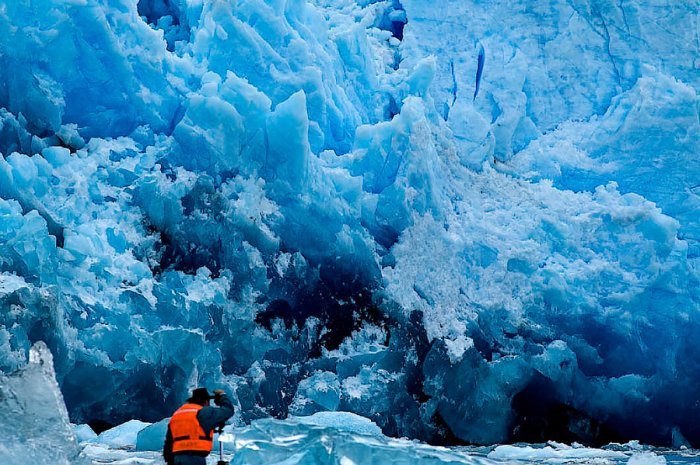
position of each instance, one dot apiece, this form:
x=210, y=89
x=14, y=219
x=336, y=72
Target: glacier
x=467, y=232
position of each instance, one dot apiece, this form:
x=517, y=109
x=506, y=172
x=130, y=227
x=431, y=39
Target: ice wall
x=552, y=62
x=310, y=203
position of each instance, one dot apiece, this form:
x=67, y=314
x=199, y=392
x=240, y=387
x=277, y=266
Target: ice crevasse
x=462, y=231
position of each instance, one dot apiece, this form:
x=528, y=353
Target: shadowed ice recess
x=310, y=204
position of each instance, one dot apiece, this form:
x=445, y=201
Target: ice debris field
x=469, y=222
x=339, y=438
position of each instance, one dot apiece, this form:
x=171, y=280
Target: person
x=190, y=435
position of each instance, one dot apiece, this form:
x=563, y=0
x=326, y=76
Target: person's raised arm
x=211, y=417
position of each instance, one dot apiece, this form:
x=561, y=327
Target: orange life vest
x=188, y=435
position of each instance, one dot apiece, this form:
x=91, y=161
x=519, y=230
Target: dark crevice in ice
x=397, y=29
x=454, y=82
x=391, y=110
x=621, y=6
x=541, y=417
x=394, y=20
x=178, y=254
x=166, y=16
x=99, y=425
x=177, y=117
x=606, y=36
x=479, y=71
x=340, y=307
x=448, y=106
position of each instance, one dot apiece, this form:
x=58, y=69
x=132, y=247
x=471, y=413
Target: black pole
x=221, y=448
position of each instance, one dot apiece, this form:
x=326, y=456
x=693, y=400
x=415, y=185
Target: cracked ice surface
x=308, y=203
x=551, y=62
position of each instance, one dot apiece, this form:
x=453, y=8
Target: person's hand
x=217, y=395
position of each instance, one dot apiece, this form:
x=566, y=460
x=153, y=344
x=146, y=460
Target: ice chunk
x=289, y=150
x=341, y=421
x=646, y=458
x=292, y=442
x=122, y=435
x=152, y=437
x=20, y=189
x=84, y=433
x=100, y=453
x=559, y=452
x=320, y=391
x=31, y=397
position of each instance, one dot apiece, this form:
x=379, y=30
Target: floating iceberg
x=309, y=203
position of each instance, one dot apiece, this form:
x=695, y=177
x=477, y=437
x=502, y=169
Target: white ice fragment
x=226, y=437
x=457, y=347
x=83, y=433
x=122, y=435
x=11, y=283
x=342, y=421
x=507, y=452
x=646, y=458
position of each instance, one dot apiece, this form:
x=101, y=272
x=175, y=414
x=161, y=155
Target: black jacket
x=209, y=418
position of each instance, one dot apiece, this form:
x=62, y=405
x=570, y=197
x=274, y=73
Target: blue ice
x=309, y=204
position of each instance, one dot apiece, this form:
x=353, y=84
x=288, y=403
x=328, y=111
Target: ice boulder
x=123, y=435
x=341, y=421
x=35, y=427
x=84, y=433
x=646, y=458
x=152, y=436
x=338, y=438
x=319, y=392
x=554, y=452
